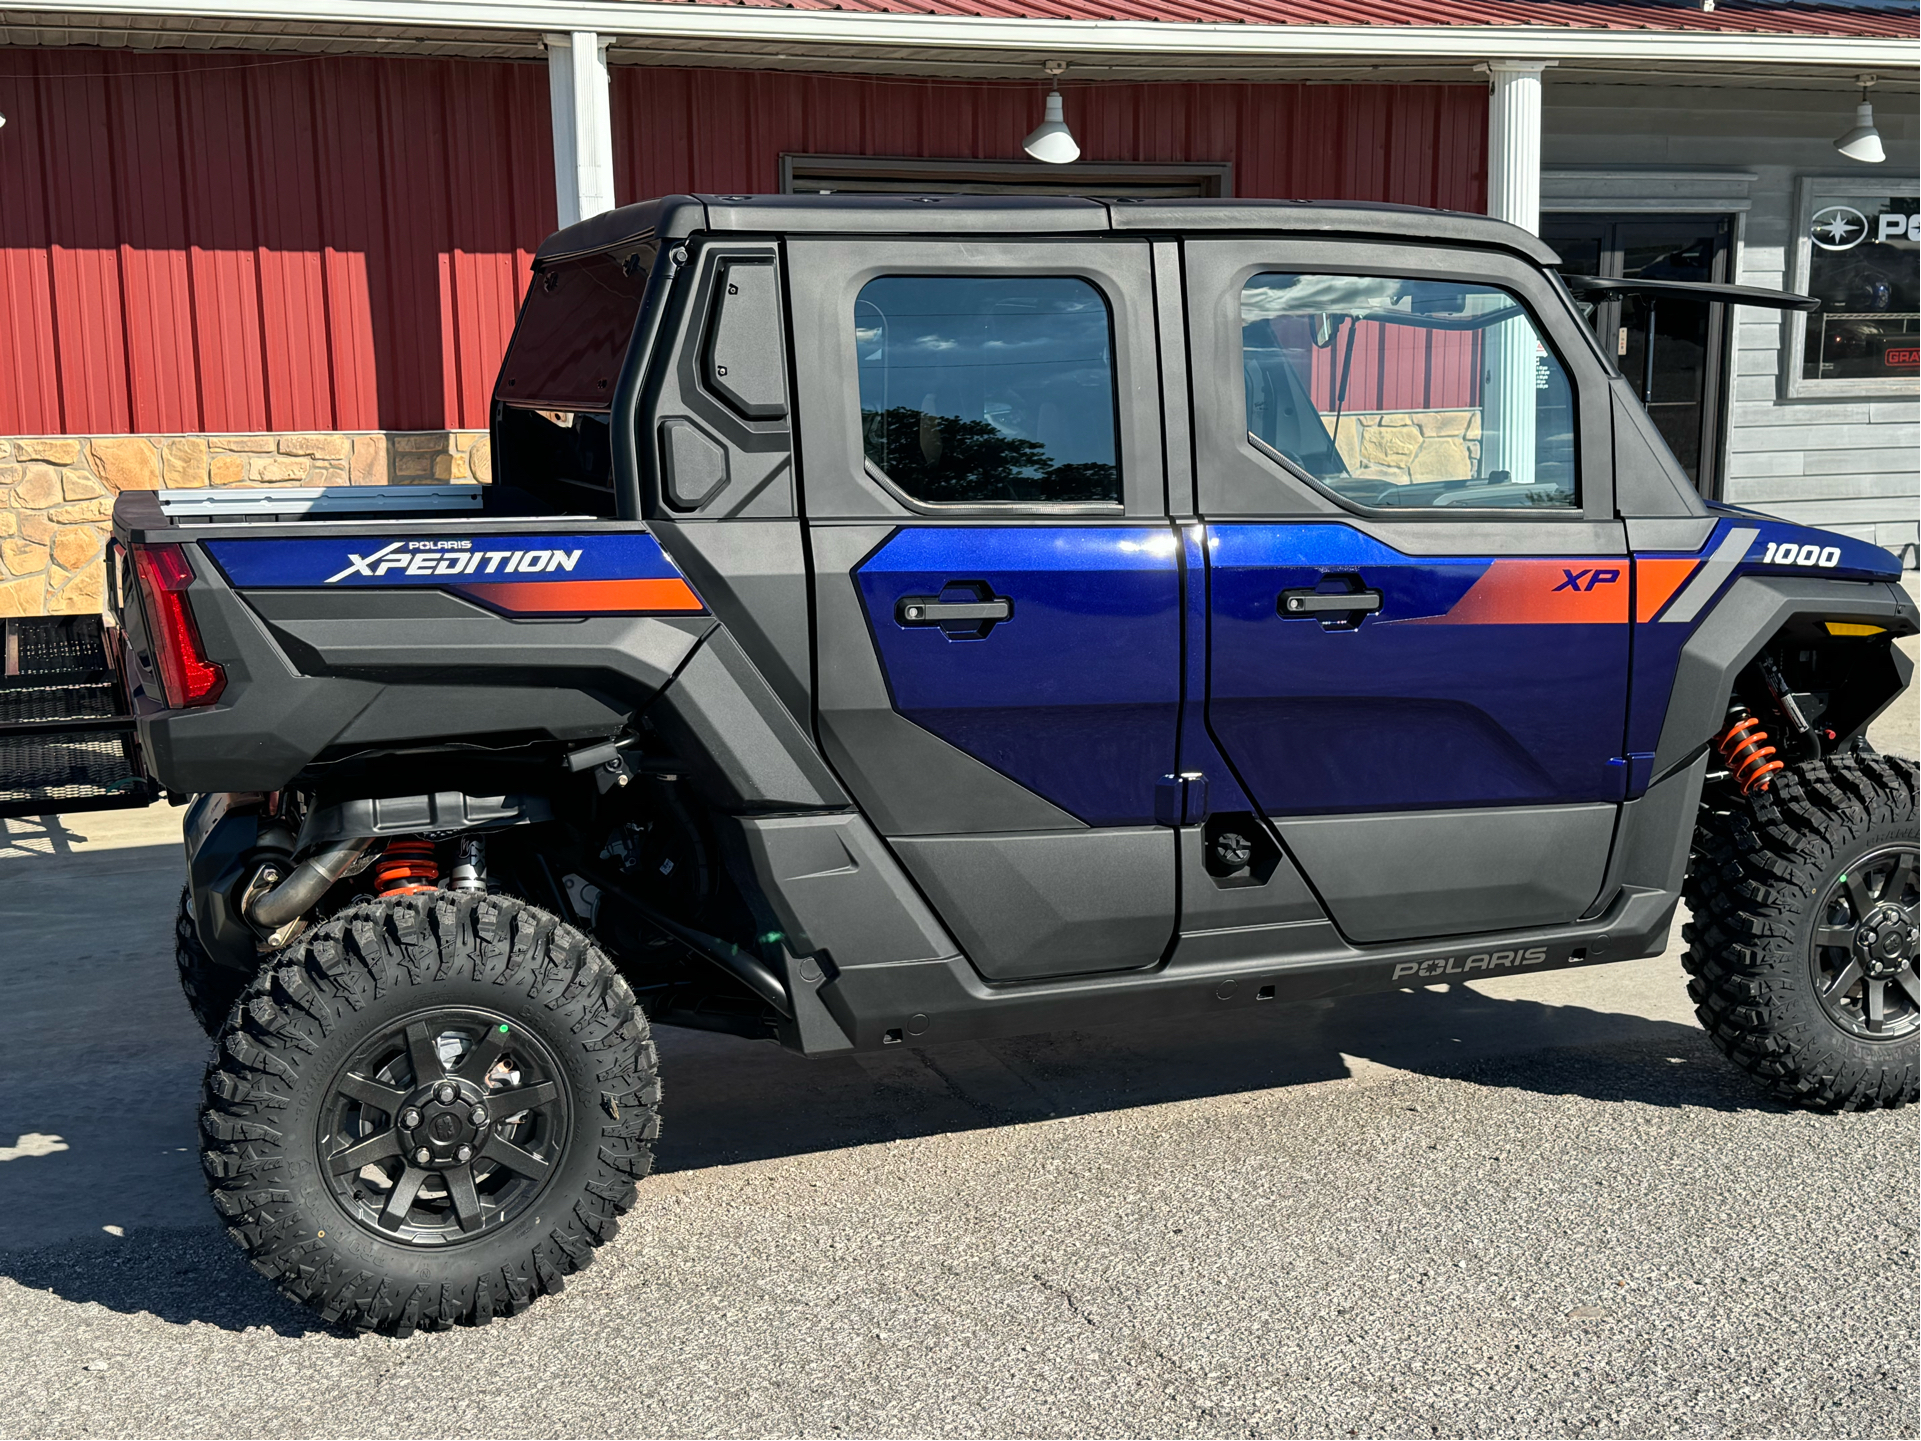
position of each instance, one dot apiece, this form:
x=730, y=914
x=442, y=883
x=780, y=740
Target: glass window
x=1862, y=267
x=988, y=390
x=1400, y=393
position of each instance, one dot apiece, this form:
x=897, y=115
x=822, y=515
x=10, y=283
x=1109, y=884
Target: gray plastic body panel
x=307, y=670
x=836, y=890
x=935, y=1001
x=742, y=746
x=1025, y=906
x=1648, y=481
x=1437, y=873
x=405, y=815
x=744, y=361
x=753, y=576
x=707, y=452
x=1743, y=621
x=1690, y=533
x=908, y=780
x=1657, y=832
x=678, y=216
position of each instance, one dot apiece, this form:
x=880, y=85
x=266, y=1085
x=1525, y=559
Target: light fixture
x=1863, y=142
x=1051, y=141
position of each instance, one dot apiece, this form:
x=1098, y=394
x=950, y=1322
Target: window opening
x=1397, y=393
x=989, y=390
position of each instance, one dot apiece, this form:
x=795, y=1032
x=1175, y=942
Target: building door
x=1673, y=352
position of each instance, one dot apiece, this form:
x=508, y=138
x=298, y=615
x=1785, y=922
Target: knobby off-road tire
x=1804, y=900
x=347, y=1131
x=211, y=988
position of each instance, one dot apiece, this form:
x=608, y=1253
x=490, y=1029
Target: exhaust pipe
x=269, y=910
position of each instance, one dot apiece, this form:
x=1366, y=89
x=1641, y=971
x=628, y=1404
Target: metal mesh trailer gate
x=66, y=741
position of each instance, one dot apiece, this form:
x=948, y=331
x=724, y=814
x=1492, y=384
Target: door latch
x=1334, y=609
x=931, y=610
x=1320, y=602
x=964, y=610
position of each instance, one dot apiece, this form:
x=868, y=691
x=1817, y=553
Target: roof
x=677, y=216
x=1882, y=19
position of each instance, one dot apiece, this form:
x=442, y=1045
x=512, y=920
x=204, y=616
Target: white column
x=1508, y=398
x=583, y=124
x=1514, y=141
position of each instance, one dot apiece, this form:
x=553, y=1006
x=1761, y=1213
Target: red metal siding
x=230, y=243
x=725, y=130
x=254, y=243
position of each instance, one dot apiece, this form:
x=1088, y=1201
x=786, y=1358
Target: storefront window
x=1861, y=258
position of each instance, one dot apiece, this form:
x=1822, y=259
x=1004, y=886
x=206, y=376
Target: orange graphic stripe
x=1587, y=591
x=586, y=597
x=1656, y=580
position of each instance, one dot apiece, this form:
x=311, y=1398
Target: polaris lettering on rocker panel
x=1486, y=961
x=1061, y=657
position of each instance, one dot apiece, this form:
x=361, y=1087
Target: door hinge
x=1180, y=800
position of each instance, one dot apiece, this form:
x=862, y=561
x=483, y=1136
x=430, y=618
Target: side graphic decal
x=625, y=574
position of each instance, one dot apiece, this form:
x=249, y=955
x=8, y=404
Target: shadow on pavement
x=177, y=1275
x=99, y=1055
x=730, y=1101
x=734, y=1101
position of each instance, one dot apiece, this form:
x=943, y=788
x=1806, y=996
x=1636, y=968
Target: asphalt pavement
x=1533, y=1206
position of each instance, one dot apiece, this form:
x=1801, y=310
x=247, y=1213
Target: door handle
x=1321, y=602
x=932, y=610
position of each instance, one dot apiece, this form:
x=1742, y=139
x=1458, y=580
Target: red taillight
x=186, y=674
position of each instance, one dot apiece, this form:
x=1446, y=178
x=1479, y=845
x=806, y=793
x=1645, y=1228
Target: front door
x=997, y=592
x=1418, y=597
x=1672, y=351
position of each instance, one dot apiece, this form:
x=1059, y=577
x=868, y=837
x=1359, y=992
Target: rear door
x=1418, y=594
x=996, y=586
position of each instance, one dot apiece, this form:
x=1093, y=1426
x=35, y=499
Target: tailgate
x=67, y=741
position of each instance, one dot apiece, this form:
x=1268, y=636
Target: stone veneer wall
x=1410, y=445
x=56, y=492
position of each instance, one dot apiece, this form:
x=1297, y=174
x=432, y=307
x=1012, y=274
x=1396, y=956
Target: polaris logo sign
x=447, y=558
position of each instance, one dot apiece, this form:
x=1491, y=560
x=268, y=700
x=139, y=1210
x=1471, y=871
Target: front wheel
x=1803, y=946
x=428, y=1111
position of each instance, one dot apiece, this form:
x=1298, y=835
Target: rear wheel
x=429, y=1111
x=1803, y=945
x=211, y=988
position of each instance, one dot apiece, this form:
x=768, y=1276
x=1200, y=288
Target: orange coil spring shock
x=406, y=867
x=1746, y=750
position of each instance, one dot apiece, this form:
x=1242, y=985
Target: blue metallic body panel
x=1077, y=695
x=1413, y=707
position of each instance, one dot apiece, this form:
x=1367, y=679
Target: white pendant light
x=1051, y=140
x=1863, y=142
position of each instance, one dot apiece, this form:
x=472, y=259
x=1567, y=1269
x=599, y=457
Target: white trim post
x=1514, y=141
x=1508, y=397
x=583, y=124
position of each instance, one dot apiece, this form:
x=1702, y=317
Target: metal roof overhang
x=875, y=42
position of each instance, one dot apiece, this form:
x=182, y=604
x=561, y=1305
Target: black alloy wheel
x=429, y=1110
x=1801, y=950
x=1863, y=950
x=442, y=1125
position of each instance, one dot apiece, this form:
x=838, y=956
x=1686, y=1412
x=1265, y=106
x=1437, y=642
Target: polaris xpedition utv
x=913, y=618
